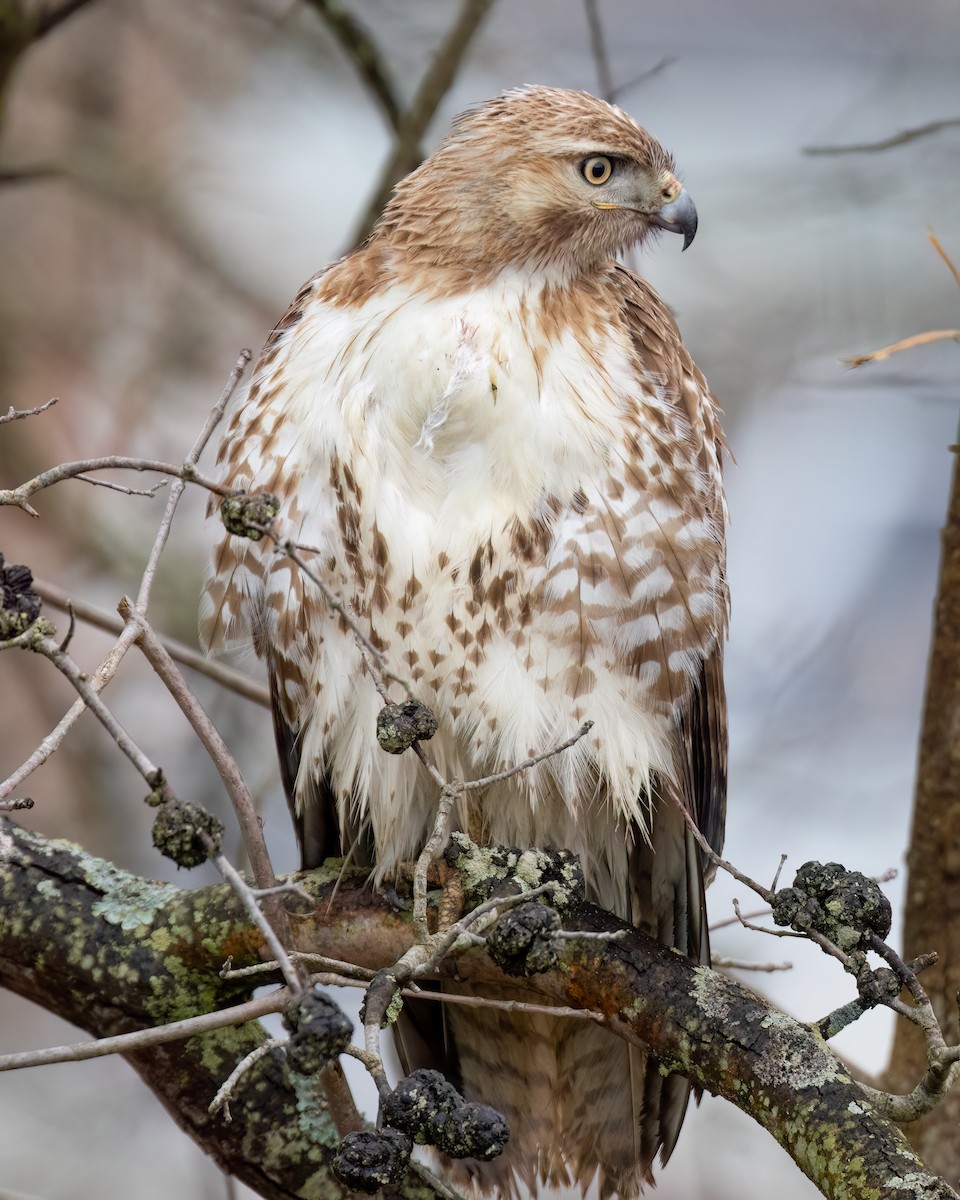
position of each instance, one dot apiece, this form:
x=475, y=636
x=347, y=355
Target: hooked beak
x=678, y=216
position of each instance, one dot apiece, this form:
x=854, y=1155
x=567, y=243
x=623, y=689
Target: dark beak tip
x=679, y=216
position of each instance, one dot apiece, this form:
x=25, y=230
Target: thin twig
x=449, y=795
x=70, y=671
x=908, y=343
x=71, y=629
x=228, y=677
x=740, y=964
x=765, y=894
x=14, y=414
x=292, y=551
x=433, y=87
x=243, y=806
x=111, y=661
x=318, y=963
x=598, y=48
x=294, y=978
x=20, y=496
x=500, y=776
x=888, y=143
x=225, y=1091
x=935, y=243
x=157, y=1035
x=149, y=492
x=363, y=52
x=16, y=804
x=512, y=1006
x=214, y=417
x=747, y=924
x=51, y=743
x=645, y=76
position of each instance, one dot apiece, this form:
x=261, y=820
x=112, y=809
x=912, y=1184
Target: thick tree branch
x=131, y=954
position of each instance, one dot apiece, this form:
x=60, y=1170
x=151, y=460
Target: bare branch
x=222, y=1098
x=20, y=496
x=433, y=87
x=42, y=644
x=108, y=667
x=527, y=763
x=598, y=48
x=740, y=964
x=295, y=979
x=14, y=414
x=511, y=1006
x=149, y=492
x=951, y=267
x=127, y=1043
x=661, y=65
x=908, y=343
x=228, y=677
x=363, y=52
x=243, y=805
x=193, y=454
x=97, y=682
x=889, y=143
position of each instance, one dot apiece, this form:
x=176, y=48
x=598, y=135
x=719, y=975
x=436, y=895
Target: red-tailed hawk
x=509, y=466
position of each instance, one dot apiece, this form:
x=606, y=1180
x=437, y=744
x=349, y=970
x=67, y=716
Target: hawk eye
x=596, y=170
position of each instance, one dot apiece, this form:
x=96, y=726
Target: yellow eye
x=596, y=170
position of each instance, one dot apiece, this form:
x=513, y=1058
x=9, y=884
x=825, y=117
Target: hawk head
x=538, y=178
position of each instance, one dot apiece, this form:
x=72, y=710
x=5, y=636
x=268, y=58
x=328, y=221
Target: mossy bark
x=113, y=953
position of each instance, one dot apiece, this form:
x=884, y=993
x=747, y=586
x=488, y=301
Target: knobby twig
x=14, y=414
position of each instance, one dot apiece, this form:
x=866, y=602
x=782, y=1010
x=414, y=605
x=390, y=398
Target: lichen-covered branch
x=111, y=953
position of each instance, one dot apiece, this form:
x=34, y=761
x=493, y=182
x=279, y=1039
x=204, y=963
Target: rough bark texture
x=932, y=914
x=111, y=952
